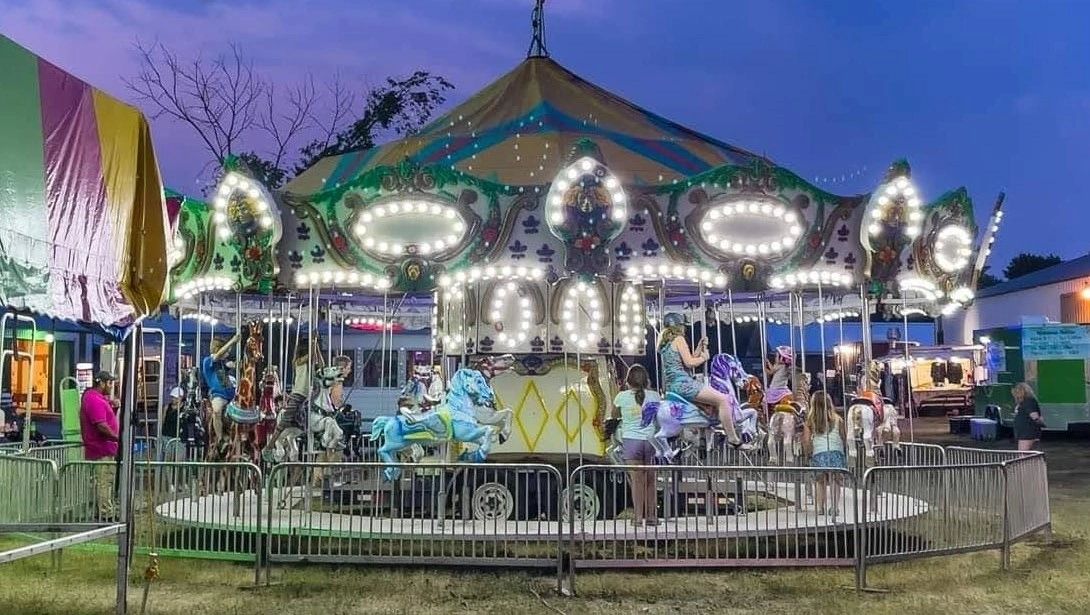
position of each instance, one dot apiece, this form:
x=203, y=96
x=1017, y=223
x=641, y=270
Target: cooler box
x=983, y=429
x=960, y=424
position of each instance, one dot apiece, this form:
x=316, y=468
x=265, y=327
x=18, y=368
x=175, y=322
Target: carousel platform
x=242, y=512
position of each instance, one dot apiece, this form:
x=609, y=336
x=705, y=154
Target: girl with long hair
x=636, y=439
x=823, y=435
x=677, y=359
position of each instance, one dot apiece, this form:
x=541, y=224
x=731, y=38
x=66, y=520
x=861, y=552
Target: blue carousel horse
x=675, y=413
x=455, y=420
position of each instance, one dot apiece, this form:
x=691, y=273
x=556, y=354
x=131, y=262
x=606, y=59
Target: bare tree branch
x=216, y=98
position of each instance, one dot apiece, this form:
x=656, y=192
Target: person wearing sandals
x=636, y=441
x=823, y=435
x=1027, y=417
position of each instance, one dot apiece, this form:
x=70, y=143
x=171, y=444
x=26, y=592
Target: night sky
x=993, y=95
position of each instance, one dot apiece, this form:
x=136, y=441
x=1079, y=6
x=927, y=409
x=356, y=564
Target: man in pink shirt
x=99, y=429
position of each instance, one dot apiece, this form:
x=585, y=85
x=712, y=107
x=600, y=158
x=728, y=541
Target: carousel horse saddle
x=242, y=416
x=681, y=402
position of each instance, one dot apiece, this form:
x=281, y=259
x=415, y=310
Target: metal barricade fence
x=910, y=454
x=59, y=453
x=910, y=512
x=1027, y=496
x=27, y=490
x=191, y=509
x=474, y=514
x=960, y=455
x=710, y=516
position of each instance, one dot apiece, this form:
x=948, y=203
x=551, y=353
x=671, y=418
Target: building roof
x=518, y=129
x=1067, y=270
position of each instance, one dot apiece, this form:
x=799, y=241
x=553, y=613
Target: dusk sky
x=993, y=95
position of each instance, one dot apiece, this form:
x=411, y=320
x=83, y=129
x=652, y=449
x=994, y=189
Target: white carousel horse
x=319, y=414
x=873, y=420
x=787, y=416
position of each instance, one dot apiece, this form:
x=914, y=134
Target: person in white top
x=823, y=435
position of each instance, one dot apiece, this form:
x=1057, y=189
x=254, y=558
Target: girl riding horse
x=678, y=359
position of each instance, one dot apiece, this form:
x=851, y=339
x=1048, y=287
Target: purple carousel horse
x=675, y=413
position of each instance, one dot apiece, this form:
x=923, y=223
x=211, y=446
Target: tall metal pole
x=125, y=483
x=763, y=332
x=821, y=324
x=238, y=331
x=908, y=369
x=703, y=325
x=868, y=351
x=734, y=330
x=842, y=366
x=718, y=330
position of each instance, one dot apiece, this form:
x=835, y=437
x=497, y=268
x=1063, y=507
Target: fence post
x=1005, y=551
x=860, y=532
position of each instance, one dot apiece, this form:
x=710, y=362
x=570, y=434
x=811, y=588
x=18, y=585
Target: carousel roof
x=519, y=128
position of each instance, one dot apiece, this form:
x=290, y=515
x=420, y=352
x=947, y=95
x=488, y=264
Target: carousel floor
x=240, y=512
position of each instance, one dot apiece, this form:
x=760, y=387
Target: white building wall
x=1007, y=310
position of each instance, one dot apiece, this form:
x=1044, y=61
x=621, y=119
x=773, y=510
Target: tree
x=1026, y=263
x=401, y=106
x=234, y=110
x=987, y=279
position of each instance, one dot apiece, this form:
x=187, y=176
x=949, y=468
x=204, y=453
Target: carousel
x=554, y=233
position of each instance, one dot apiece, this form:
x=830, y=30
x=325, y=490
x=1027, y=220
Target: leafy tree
x=400, y=107
x=1028, y=263
x=987, y=279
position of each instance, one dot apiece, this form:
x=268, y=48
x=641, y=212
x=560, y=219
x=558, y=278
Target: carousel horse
x=269, y=406
x=454, y=421
x=471, y=394
x=242, y=412
x=874, y=421
x=675, y=413
x=298, y=413
x=788, y=413
x=424, y=388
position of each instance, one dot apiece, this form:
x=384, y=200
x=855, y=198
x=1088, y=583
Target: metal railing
x=27, y=490
x=710, y=516
x=910, y=454
x=1027, y=496
x=960, y=455
x=529, y=515
x=475, y=514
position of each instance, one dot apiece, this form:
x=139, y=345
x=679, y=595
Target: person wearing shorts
x=636, y=442
x=220, y=388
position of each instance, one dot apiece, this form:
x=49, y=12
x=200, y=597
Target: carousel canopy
x=82, y=223
x=539, y=108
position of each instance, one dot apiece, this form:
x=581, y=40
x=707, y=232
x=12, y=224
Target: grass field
x=1045, y=578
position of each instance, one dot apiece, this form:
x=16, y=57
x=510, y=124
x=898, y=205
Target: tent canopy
x=83, y=228
x=539, y=109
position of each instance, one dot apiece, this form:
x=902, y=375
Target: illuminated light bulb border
x=630, y=320
x=235, y=182
x=277, y=320
x=743, y=320
x=811, y=277
x=838, y=315
x=898, y=189
x=924, y=287
x=368, y=321
x=774, y=212
x=962, y=294
x=664, y=271
x=501, y=295
x=203, y=284
x=392, y=209
x=573, y=311
x=492, y=272
x=963, y=242
x=452, y=340
x=176, y=250
x=202, y=318
x=338, y=277
x=575, y=173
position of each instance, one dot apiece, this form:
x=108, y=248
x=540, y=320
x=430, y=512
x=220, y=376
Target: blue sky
x=990, y=94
